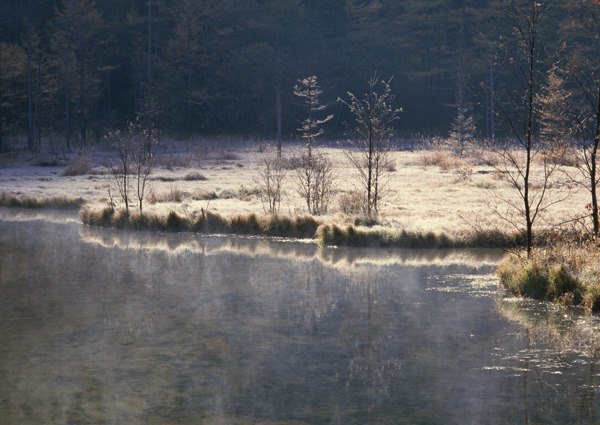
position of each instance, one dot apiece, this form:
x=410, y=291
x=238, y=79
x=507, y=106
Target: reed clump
x=206, y=222
x=57, y=202
x=564, y=272
x=351, y=235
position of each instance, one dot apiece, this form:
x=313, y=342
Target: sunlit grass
x=206, y=222
x=60, y=202
x=566, y=273
x=349, y=235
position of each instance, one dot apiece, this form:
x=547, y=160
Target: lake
x=100, y=326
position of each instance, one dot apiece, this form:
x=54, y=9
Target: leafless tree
x=584, y=105
x=312, y=167
x=271, y=175
x=132, y=156
x=371, y=152
x=523, y=111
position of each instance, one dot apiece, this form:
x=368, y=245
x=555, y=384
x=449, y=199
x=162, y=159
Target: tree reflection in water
x=98, y=326
x=556, y=338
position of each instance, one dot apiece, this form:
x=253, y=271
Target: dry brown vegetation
x=431, y=191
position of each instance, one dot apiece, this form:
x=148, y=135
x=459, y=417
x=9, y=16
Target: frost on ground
x=453, y=196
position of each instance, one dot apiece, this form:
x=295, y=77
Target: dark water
x=98, y=327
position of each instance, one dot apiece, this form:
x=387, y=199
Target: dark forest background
x=77, y=69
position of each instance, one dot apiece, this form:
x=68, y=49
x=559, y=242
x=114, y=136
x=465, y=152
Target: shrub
x=81, y=165
x=270, y=178
x=352, y=203
x=194, y=176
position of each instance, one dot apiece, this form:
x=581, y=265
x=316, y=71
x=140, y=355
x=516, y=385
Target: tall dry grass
x=7, y=200
x=564, y=271
x=204, y=222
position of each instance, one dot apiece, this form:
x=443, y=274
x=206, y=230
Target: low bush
x=80, y=166
x=352, y=203
x=194, y=176
x=165, y=179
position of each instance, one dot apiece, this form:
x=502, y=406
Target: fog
x=98, y=326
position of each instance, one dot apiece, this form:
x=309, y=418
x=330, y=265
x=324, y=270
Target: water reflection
x=99, y=326
x=292, y=249
x=559, y=358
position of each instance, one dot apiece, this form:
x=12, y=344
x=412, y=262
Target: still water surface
x=103, y=327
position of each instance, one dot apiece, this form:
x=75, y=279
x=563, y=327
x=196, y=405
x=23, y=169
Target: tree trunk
x=593, y=169
x=278, y=81
x=370, y=173
x=530, y=111
x=82, y=126
x=29, y=83
x=189, y=73
x=1, y=109
x=149, y=72
x=67, y=94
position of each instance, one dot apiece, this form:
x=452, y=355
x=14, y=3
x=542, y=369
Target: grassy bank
x=299, y=227
x=566, y=273
x=50, y=202
x=385, y=237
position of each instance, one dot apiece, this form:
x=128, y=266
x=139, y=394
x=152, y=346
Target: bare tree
x=522, y=111
x=132, y=156
x=278, y=78
x=149, y=72
x=143, y=161
x=585, y=73
x=119, y=165
x=371, y=152
x=312, y=167
x=271, y=176
x=29, y=74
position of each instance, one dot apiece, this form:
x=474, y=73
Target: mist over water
x=98, y=326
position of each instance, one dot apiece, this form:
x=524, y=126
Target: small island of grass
x=567, y=273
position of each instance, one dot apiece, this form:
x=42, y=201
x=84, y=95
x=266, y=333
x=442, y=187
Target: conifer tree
x=314, y=171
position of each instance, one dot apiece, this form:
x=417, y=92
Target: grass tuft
x=58, y=202
x=175, y=223
x=194, y=176
x=246, y=225
x=204, y=195
x=562, y=272
x=207, y=222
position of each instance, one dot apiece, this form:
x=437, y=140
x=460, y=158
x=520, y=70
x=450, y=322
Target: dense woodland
x=75, y=69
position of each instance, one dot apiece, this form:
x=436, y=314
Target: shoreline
x=433, y=200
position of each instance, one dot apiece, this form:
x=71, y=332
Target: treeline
x=75, y=69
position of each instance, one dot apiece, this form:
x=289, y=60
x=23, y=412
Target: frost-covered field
x=455, y=197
